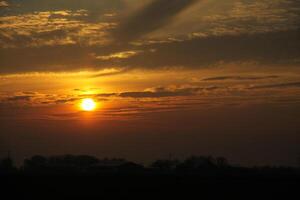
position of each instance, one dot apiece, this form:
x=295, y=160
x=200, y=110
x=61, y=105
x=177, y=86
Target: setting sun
x=88, y=104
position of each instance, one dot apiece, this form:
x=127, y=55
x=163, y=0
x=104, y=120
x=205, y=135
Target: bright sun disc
x=88, y=105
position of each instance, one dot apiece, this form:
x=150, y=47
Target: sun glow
x=88, y=104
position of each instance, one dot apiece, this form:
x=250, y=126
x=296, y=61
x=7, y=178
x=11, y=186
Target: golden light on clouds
x=119, y=55
x=88, y=104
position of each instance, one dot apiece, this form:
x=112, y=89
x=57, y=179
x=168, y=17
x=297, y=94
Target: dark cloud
x=272, y=48
x=239, y=78
x=106, y=95
x=46, y=58
x=161, y=92
x=279, y=85
x=46, y=5
x=67, y=100
x=155, y=15
x=282, y=47
x=19, y=98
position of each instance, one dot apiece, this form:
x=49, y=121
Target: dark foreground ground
x=148, y=186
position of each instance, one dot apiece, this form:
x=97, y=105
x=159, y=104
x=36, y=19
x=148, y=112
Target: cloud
x=50, y=28
x=19, y=98
x=106, y=95
x=45, y=5
x=66, y=100
x=252, y=16
x=162, y=92
x=279, y=85
x=44, y=59
x=3, y=4
x=110, y=73
x=239, y=78
x=270, y=48
x=153, y=16
x=119, y=55
x=157, y=92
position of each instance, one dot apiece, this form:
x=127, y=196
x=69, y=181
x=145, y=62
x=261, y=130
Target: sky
x=170, y=79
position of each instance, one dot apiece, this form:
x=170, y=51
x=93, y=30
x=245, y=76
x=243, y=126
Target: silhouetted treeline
x=201, y=177
x=7, y=166
x=207, y=166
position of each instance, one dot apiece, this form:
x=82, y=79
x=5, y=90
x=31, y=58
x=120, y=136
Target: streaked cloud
x=119, y=55
x=19, y=98
x=161, y=92
x=271, y=48
x=153, y=16
x=277, y=85
x=239, y=78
